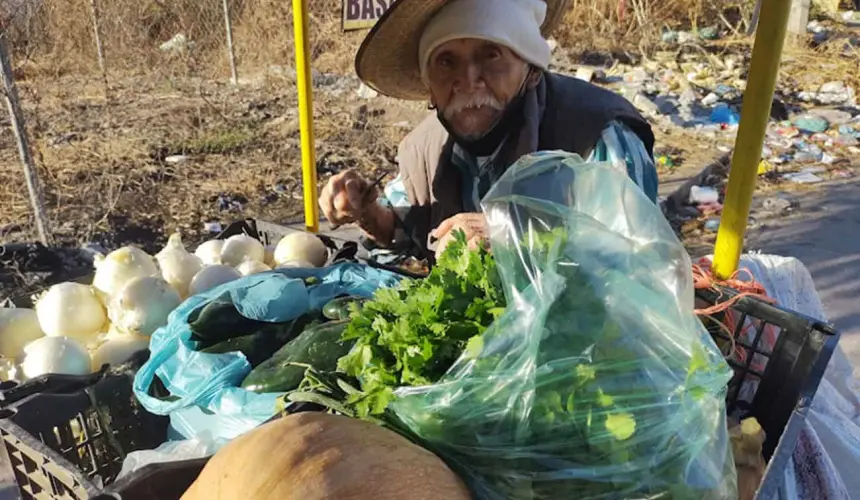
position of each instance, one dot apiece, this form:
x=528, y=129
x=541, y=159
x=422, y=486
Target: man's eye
x=445, y=62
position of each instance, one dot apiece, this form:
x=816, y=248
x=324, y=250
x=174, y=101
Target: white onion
x=121, y=266
x=178, y=267
x=269, y=260
x=8, y=369
x=240, y=248
x=250, y=267
x=211, y=276
x=143, y=306
x=301, y=246
x=117, y=349
x=210, y=252
x=295, y=264
x=71, y=310
x=18, y=327
x=61, y=355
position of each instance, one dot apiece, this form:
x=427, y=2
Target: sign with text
x=363, y=14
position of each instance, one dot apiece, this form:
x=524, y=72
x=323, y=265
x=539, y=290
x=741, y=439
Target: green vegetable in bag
x=219, y=320
x=261, y=345
x=319, y=346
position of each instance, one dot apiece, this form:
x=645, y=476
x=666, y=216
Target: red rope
x=703, y=278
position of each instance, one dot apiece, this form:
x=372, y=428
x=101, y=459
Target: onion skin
x=121, y=266
x=60, y=355
x=71, y=310
x=299, y=246
x=240, y=248
x=212, y=276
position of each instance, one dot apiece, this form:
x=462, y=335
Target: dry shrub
x=625, y=25
x=265, y=32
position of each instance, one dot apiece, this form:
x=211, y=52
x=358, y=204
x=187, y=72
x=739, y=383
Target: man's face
x=471, y=82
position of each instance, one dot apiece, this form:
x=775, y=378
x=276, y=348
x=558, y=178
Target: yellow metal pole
x=306, y=115
x=764, y=68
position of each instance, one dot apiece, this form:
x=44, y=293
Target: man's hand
x=346, y=199
x=473, y=225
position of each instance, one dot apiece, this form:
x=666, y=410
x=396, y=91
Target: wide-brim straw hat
x=388, y=58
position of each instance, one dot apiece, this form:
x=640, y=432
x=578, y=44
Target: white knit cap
x=514, y=24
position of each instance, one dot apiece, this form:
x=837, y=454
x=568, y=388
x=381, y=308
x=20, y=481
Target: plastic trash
x=212, y=227
x=803, y=178
x=846, y=140
x=710, y=99
x=171, y=451
x=811, y=124
x=724, y=114
x=366, y=92
x=778, y=204
x=703, y=195
x=712, y=225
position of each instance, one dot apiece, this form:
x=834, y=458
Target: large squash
x=315, y=456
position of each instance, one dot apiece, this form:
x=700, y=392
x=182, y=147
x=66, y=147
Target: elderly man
x=483, y=66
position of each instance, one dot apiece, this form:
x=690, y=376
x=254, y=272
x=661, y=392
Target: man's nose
x=470, y=78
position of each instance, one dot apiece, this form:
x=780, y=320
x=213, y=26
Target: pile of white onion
x=75, y=328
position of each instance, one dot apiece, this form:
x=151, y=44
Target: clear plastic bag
x=598, y=382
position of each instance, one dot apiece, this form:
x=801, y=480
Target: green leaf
x=474, y=347
x=620, y=425
x=585, y=374
x=570, y=404
x=603, y=399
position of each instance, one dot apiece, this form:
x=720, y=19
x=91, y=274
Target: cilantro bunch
x=412, y=334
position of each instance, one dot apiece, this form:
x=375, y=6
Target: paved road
x=824, y=234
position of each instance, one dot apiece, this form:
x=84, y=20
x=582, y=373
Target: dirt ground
x=163, y=156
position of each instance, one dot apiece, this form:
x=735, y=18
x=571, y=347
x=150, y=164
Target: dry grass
x=58, y=34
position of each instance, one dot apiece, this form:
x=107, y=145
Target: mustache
x=465, y=101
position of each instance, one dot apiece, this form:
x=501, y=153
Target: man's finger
x=443, y=243
x=342, y=204
x=354, y=192
x=445, y=227
x=478, y=241
x=327, y=202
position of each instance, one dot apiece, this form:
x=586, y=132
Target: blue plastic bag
x=204, y=388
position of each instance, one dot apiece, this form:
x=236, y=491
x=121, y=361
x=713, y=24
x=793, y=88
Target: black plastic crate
x=70, y=444
x=773, y=384
x=69, y=441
